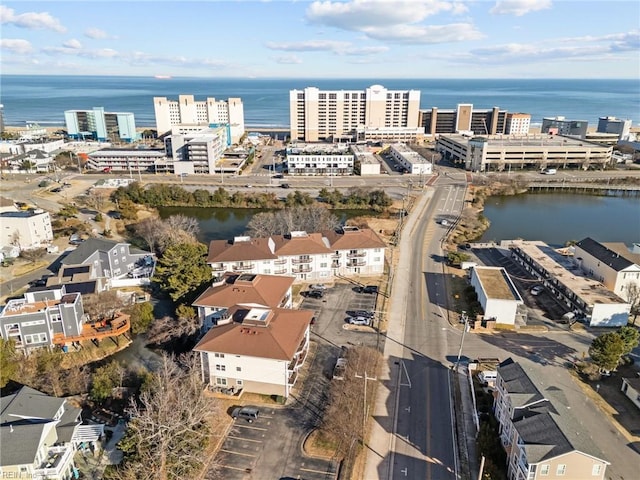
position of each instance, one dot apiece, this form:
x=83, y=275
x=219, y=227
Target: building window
x=596, y=471
x=218, y=355
x=221, y=368
x=238, y=369
x=544, y=469
x=561, y=469
x=239, y=382
x=221, y=381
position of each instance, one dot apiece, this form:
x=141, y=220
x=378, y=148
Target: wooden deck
x=112, y=328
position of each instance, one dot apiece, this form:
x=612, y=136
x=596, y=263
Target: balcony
x=336, y=256
x=356, y=254
x=335, y=265
x=281, y=271
x=301, y=260
x=217, y=268
x=293, y=376
x=359, y=263
x=243, y=267
x=303, y=269
x=56, y=462
x=280, y=261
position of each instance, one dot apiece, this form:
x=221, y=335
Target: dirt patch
x=24, y=268
x=317, y=445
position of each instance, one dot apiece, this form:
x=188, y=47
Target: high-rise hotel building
x=208, y=113
x=363, y=114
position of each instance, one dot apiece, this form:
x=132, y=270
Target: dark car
x=56, y=190
x=367, y=289
x=362, y=313
x=315, y=294
x=285, y=185
x=40, y=282
x=250, y=414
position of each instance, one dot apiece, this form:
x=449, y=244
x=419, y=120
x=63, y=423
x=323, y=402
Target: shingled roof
x=605, y=255
x=241, y=249
x=267, y=290
x=353, y=238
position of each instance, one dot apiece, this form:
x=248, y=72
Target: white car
x=339, y=369
x=359, y=321
x=317, y=286
x=536, y=290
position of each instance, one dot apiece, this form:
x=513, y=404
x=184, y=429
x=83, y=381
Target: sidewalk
x=381, y=437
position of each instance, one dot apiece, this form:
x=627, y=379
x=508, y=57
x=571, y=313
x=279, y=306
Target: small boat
x=162, y=77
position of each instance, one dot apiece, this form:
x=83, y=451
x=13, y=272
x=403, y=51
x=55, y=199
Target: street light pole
x=364, y=403
x=466, y=326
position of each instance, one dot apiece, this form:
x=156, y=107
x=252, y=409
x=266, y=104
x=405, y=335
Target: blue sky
x=339, y=39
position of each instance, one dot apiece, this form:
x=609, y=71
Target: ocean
x=43, y=99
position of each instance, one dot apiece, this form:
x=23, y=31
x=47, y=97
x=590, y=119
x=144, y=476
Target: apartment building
x=411, y=161
x=40, y=435
x=99, y=125
x=131, y=161
x=622, y=128
x=463, y=119
x=25, y=229
x=335, y=159
x=612, y=264
x=518, y=124
x=496, y=293
x=542, y=442
x=258, y=350
x=264, y=291
x=507, y=153
x=338, y=114
x=205, y=113
x=33, y=320
x=318, y=256
x=562, y=126
x=195, y=150
x=584, y=296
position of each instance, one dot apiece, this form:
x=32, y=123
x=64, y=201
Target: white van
x=488, y=376
x=550, y=171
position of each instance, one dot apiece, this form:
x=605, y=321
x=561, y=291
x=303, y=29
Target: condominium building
x=463, y=119
x=319, y=159
x=518, y=124
x=500, y=153
x=614, y=125
x=25, y=229
x=195, y=150
x=562, y=126
x=99, y=125
x=132, y=161
x=306, y=256
x=205, y=113
x=330, y=114
x=538, y=433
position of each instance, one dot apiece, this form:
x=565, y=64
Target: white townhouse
x=40, y=435
x=315, y=256
x=496, y=293
x=258, y=350
x=246, y=289
x=612, y=264
x=542, y=442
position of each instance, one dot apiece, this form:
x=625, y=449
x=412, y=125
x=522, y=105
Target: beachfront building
x=500, y=152
x=410, y=160
x=195, y=150
x=264, y=291
x=256, y=349
x=496, y=293
x=186, y=111
x=40, y=435
x=538, y=433
x=334, y=159
x=613, y=264
x=132, y=161
x=583, y=296
x=345, y=114
x=562, y=126
x=622, y=128
x=518, y=123
x=25, y=229
x=463, y=119
x=319, y=256
x=99, y=125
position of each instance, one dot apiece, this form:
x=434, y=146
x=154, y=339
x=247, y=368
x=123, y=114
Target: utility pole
x=364, y=403
x=466, y=327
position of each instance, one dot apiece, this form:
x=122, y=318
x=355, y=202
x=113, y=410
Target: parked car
x=549, y=171
x=444, y=223
x=250, y=414
x=315, y=294
x=56, y=190
x=75, y=239
x=285, y=185
x=536, y=290
x=339, y=369
x=40, y=282
x=362, y=313
x=368, y=289
x=359, y=321
x=317, y=286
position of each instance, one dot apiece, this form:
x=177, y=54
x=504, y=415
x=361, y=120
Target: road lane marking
x=237, y=453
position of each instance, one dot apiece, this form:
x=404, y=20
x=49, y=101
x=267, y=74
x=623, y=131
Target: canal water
x=558, y=218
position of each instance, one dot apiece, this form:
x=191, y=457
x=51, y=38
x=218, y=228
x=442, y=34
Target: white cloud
x=358, y=15
x=30, y=20
x=427, y=34
x=339, y=48
x=519, y=7
x=73, y=43
x=95, y=33
x=288, y=59
x=16, y=45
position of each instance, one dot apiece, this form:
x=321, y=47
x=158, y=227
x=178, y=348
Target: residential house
x=631, y=388
x=541, y=442
x=40, y=434
x=247, y=289
x=78, y=278
x=26, y=229
x=316, y=256
x=496, y=293
x=612, y=264
x=112, y=260
x=259, y=350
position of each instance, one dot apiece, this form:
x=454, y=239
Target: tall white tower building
x=208, y=113
x=319, y=114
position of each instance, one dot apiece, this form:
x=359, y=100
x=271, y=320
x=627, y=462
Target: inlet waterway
x=558, y=218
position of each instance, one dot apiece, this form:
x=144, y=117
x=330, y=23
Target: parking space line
x=237, y=453
x=232, y=468
x=244, y=439
x=316, y=471
x=252, y=428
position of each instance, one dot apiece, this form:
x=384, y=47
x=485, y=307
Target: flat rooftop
x=536, y=140
x=21, y=307
x=562, y=268
x=496, y=283
x=318, y=149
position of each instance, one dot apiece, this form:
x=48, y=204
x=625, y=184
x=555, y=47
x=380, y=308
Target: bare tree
x=151, y=230
x=170, y=428
x=96, y=199
x=633, y=297
x=168, y=328
x=160, y=234
x=188, y=225
x=103, y=305
x=311, y=218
